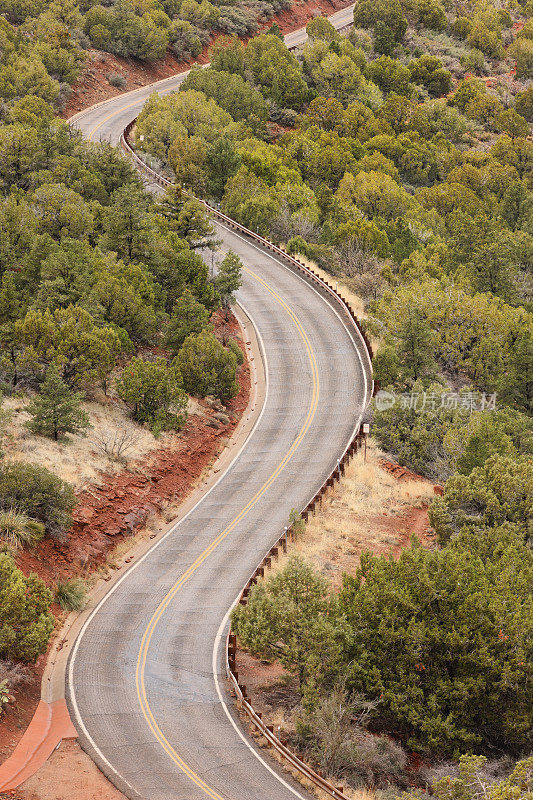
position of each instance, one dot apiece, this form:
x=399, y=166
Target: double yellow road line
x=164, y=604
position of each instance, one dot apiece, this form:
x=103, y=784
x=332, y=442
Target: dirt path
x=69, y=774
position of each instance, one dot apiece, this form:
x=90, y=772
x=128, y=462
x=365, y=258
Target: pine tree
x=188, y=218
x=229, y=279
x=56, y=410
x=416, y=346
x=188, y=316
x=274, y=30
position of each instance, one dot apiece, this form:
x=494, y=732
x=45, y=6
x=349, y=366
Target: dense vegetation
x=94, y=275
x=439, y=640
x=387, y=158
x=376, y=156
x=56, y=34
x=91, y=272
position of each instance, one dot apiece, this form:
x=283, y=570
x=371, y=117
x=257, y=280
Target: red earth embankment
x=93, y=85
x=110, y=512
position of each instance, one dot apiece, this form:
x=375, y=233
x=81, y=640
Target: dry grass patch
x=354, y=300
x=369, y=509
x=82, y=459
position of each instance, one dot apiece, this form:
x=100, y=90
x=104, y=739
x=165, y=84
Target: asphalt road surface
x=146, y=683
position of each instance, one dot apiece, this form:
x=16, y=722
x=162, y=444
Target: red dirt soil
x=69, y=774
x=113, y=511
x=16, y=716
x=404, y=474
x=413, y=522
x=94, y=87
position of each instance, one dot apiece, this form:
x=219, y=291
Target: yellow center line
x=109, y=116
x=145, y=643
x=119, y=111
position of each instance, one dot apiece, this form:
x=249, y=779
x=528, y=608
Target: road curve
x=146, y=684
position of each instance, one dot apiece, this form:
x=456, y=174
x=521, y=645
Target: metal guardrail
x=267, y=731
x=229, y=222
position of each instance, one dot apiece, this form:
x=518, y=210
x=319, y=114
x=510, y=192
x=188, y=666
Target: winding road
x=146, y=682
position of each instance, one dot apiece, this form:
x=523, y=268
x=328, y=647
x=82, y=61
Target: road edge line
x=54, y=680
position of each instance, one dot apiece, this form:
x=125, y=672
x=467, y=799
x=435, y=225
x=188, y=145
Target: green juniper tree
x=57, y=409
x=40, y=494
x=9, y=313
x=188, y=316
x=222, y=162
x=25, y=618
x=292, y=608
x=207, y=367
x=416, y=346
x=229, y=278
x=154, y=390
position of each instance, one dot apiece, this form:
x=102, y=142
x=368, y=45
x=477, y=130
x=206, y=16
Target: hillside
x=107, y=74
x=397, y=157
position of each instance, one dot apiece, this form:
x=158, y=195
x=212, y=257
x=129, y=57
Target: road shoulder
x=28, y=760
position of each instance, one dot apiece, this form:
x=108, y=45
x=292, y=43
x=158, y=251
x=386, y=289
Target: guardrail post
x=352, y=449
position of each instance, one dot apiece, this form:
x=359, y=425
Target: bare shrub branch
x=115, y=443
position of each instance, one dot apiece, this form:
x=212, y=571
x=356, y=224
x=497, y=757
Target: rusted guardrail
x=281, y=544
x=267, y=731
x=229, y=222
